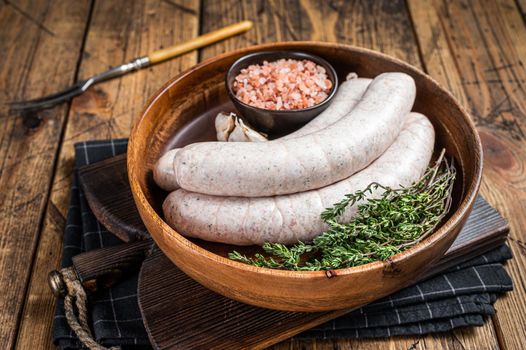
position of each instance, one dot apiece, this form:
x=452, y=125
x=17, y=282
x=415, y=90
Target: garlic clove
x=238, y=135
x=224, y=124
x=231, y=128
x=251, y=134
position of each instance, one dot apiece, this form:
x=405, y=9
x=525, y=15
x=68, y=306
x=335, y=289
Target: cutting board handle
x=102, y=268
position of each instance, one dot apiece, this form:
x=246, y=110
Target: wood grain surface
x=482, y=55
x=40, y=44
x=475, y=48
x=123, y=219
x=118, y=31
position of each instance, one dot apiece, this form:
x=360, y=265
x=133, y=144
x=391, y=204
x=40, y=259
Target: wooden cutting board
x=179, y=313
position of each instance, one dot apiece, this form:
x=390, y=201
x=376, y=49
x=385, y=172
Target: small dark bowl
x=279, y=122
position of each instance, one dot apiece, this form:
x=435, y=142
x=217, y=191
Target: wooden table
x=474, y=48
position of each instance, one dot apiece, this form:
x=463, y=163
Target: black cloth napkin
x=462, y=296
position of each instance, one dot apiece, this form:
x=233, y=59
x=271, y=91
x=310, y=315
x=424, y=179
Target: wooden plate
x=197, y=94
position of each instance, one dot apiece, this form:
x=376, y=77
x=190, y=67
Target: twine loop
x=76, y=297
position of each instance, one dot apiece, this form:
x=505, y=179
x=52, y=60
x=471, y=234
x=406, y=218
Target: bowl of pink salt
x=280, y=91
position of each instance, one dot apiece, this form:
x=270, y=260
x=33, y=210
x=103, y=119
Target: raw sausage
x=163, y=171
x=289, y=218
x=348, y=95
x=302, y=163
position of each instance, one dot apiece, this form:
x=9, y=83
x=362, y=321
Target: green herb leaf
x=383, y=226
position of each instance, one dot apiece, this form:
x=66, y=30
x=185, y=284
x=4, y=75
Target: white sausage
x=308, y=162
x=163, y=171
x=289, y=218
x=348, y=95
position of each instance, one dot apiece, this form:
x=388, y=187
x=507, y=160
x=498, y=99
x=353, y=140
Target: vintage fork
x=135, y=64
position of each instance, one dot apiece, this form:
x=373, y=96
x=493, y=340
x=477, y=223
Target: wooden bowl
x=185, y=106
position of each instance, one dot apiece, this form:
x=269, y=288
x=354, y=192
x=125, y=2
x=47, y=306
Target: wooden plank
x=380, y=25
x=514, y=20
x=40, y=44
x=119, y=31
x=522, y=8
x=115, y=209
x=485, y=45
x=453, y=340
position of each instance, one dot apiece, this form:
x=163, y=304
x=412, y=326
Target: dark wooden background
x=474, y=48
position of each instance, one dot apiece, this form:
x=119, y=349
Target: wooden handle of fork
x=200, y=41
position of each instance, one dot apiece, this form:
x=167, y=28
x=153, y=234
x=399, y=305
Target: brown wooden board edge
x=89, y=175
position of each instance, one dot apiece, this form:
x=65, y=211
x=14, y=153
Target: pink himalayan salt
x=284, y=84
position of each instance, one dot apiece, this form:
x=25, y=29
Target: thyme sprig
x=385, y=224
